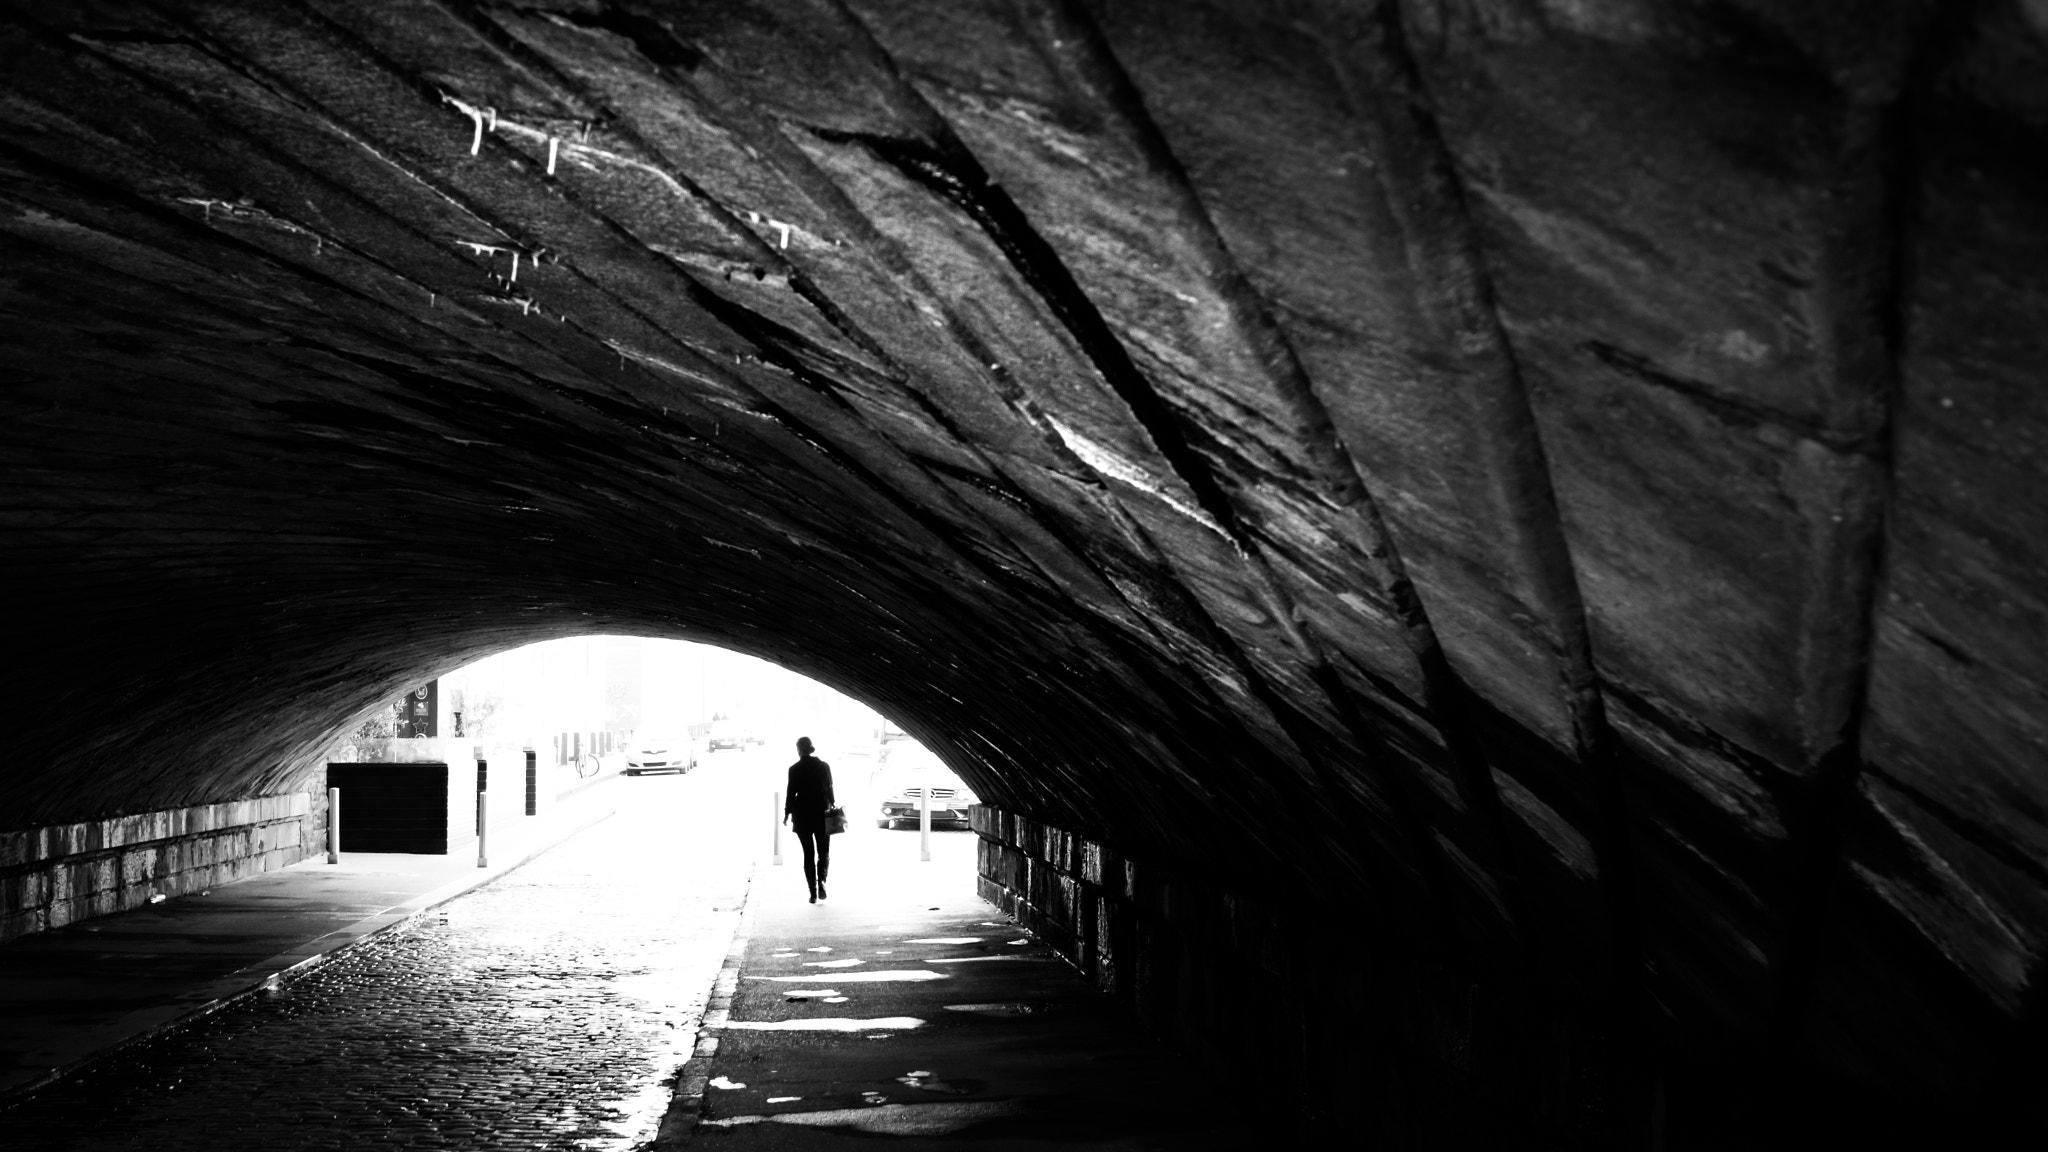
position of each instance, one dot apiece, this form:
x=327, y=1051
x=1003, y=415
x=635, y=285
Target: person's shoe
x=821, y=891
x=814, y=893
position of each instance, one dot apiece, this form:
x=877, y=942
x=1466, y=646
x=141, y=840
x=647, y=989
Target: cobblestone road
x=545, y=1011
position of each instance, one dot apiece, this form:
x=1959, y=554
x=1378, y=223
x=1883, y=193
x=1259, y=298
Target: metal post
x=334, y=825
x=924, y=823
x=532, y=783
x=483, y=812
x=776, y=815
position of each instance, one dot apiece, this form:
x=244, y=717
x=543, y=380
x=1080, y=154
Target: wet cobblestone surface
x=548, y=1010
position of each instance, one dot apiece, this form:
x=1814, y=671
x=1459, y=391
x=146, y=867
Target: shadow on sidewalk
x=904, y=1005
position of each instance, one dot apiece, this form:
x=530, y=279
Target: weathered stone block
x=45, y=890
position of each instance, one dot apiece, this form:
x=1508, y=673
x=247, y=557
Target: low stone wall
x=55, y=875
x=1297, y=1011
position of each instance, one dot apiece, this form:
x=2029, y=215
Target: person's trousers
x=817, y=848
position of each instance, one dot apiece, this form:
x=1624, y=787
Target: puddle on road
x=820, y=948
x=1005, y=1009
x=726, y=1083
x=889, y=975
x=935, y=1119
x=784, y=1099
x=923, y=1082
x=828, y=1024
x=972, y=959
x=946, y=940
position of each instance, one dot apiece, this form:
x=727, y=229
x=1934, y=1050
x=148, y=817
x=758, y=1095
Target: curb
x=277, y=971
x=686, y=1106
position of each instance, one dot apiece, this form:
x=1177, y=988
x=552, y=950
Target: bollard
x=924, y=823
x=483, y=811
x=334, y=825
x=532, y=784
x=775, y=813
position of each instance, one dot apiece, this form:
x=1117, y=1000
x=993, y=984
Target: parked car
x=910, y=772
x=725, y=735
x=661, y=754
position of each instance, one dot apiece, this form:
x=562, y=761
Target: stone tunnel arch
x=1560, y=484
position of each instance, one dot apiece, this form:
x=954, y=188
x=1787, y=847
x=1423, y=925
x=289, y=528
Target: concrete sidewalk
x=76, y=993
x=905, y=1006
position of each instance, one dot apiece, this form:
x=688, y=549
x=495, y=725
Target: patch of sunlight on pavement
x=827, y=1024
x=886, y=1119
x=972, y=959
x=640, y=1117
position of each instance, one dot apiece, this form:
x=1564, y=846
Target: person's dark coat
x=810, y=793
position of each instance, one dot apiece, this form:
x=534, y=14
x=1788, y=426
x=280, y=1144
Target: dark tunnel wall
x=1560, y=482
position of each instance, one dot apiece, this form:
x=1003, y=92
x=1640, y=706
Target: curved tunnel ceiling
x=1578, y=465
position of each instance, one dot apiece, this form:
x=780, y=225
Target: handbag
x=835, y=820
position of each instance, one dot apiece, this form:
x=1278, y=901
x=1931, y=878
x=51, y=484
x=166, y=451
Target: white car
x=907, y=774
x=661, y=754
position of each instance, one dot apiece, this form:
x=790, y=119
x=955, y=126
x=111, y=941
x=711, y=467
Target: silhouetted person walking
x=810, y=793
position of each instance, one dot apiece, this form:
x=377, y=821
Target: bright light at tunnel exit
x=590, y=707
x=641, y=686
